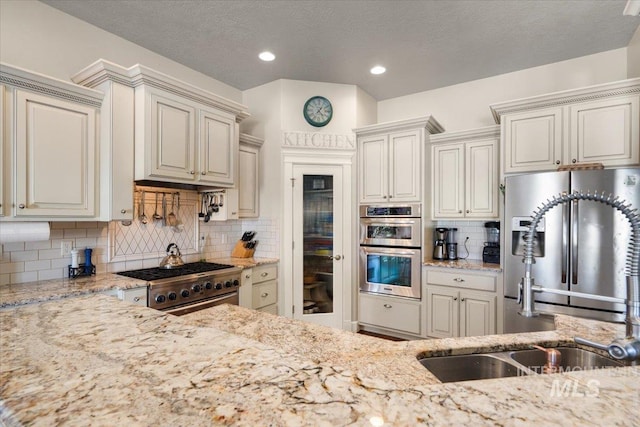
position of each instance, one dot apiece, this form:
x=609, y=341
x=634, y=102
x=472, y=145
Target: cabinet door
x=55, y=157
x=481, y=181
x=390, y=313
x=442, y=312
x=448, y=181
x=172, y=138
x=245, y=293
x=248, y=182
x=404, y=170
x=218, y=146
x=374, y=169
x=4, y=179
x=605, y=132
x=532, y=140
x=477, y=314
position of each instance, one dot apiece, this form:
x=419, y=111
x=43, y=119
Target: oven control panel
x=192, y=289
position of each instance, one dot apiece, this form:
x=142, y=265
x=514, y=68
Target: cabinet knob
x=21, y=206
x=384, y=197
x=461, y=299
x=455, y=298
x=192, y=172
x=388, y=306
x=460, y=211
x=457, y=279
x=573, y=160
x=123, y=211
x=136, y=299
x=265, y=274
x=203, y=173
x=248, y=276
x=557, y=162
x=468, y=211
x=265, y=295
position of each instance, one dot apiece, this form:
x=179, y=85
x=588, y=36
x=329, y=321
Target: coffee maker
x=440, y=243
x=491, y=250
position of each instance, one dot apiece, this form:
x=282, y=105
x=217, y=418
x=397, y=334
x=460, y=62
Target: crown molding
x=39, y=83
x=139, y=75
x=555, y=99
x=428, y=122
x=318, y=141
x=488, y=132
x=251, y=140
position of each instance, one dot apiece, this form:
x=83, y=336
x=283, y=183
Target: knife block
x=239, y=251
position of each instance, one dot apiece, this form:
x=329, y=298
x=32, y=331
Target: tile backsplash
x=474, y=230
x=30, y=261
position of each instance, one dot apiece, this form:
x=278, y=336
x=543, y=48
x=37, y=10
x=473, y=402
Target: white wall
x=40, y=38
x=633, y=56
x=466, y=105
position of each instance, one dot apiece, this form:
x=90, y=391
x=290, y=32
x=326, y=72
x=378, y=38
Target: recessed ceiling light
x=267, y=56
x=378, y=69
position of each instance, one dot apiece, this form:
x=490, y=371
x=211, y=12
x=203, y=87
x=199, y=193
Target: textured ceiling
x=424, y=44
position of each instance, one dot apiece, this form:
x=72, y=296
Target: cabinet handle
x=265, y=274
x=390, y=196
x=248, y=276
x=21, y=206
x=461, y=299
x=203, y=173
x=387, y=306
x=384, y=197
x=264, y=295
x=468, y=211
x=459, y=280
x=557, y=162
x=136, y=299
x=233, y=213
x=123, y=211
x=459, y=211
x=455, y=298
x=192, y=172
x=573, y=160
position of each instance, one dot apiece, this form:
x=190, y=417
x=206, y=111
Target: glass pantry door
x=317, y=192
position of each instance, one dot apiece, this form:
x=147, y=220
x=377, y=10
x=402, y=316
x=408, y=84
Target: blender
x=491, y=250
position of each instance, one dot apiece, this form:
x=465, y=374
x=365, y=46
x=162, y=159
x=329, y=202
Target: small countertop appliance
x=491, y=250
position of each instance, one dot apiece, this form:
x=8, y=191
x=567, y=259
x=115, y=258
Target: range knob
x=218, y=285
x=227, y=284
x=173, y=296
x=208, y=285
x=196, y=288
x=160, y=299
x=184, y=293
x=236, y=282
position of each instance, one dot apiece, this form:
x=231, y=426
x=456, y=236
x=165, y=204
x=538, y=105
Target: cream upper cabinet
x=2, y=149
x=52, y=141
x=465, y=174
x=597, y=124
x=391, y=160
x=217, y=148
x=249, y=176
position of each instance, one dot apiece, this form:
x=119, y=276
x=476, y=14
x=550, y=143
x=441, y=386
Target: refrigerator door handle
x=574, y=242
x=565, y=243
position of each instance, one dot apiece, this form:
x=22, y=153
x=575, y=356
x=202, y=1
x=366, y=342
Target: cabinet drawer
x=390, y=313
x=264, y=294
x=263, y=274
x=462, y=280
x=137, y=296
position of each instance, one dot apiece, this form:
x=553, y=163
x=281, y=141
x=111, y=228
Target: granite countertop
x=464, y=264
x=94, y=360
x=47, y=290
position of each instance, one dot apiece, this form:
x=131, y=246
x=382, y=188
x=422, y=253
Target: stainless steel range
x=191, y=287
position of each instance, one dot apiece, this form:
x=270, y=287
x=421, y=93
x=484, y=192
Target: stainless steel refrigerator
x=579, y=247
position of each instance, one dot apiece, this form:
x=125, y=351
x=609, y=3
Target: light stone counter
x=464, y=264
x=245, y=262
x=94, y=360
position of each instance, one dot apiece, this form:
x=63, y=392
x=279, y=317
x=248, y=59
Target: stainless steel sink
x=572, y=359
x=470, y=367
x=511, y=363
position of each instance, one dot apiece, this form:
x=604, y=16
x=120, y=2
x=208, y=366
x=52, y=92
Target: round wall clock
x=318, y=111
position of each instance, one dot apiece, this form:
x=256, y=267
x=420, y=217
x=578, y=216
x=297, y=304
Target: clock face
x=318, y=111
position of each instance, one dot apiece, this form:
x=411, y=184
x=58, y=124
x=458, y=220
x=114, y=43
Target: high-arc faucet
x=627, y=348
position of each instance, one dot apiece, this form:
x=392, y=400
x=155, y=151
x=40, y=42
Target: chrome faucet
x=627, y=348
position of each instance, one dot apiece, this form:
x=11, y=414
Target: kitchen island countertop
x=94, y=360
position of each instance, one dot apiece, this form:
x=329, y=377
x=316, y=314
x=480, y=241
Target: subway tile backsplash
x=31, y=261
x=474, y=230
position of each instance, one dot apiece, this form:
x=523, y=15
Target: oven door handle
x=190, y=308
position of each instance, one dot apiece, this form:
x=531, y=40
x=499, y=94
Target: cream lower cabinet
x=391, y=315
x=259, y=288
x=51, y=166
x=461, y=304
x=249, y=176
x=137, y=296
x=597, y=124
x=465, y=174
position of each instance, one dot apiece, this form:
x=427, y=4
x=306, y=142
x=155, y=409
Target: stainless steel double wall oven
x=390, y=255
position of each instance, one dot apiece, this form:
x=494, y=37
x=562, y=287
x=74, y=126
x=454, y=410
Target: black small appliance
x=491, y=250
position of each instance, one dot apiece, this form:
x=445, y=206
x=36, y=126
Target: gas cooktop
x=157, y=273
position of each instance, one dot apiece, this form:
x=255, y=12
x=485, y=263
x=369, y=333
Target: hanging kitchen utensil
x=171, y=217
x=156, y=216
x=178, y=225
x=203, y=206
x=173, y=258
x=164, y=210
x=143, y=217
